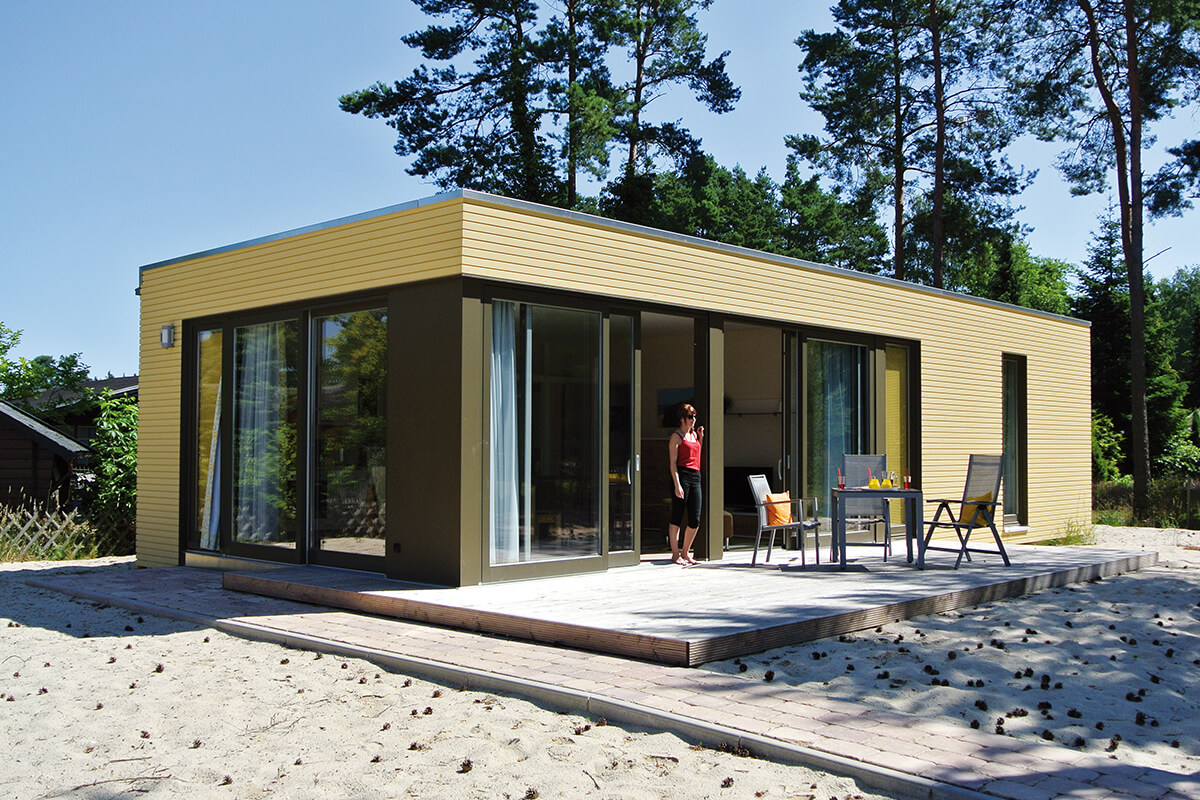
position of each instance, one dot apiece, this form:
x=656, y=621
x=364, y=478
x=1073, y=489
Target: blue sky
x=135, y=131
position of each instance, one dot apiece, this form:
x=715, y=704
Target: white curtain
x=504, y=504
x=258, y=389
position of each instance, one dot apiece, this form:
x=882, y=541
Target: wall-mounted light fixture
x=166, y=336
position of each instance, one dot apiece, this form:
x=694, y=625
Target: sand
x=99, y=702
x=1111, y=666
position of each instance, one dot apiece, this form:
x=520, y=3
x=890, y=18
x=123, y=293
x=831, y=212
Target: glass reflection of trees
x=265, y=424
x=351, y=432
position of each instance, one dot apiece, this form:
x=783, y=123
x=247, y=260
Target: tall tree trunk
x=1129, y=192
x=522, y=120
x=938, y=234
x=897, y=160
x=641, y=55
x=1133, y=258
x=573, y=120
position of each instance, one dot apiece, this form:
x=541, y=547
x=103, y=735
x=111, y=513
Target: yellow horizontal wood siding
x=962, y=340
x=412, y=244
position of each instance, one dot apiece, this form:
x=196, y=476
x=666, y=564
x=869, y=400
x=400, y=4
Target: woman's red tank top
x=688, y=454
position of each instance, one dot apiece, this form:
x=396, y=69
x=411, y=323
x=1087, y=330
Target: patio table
x=912, y=517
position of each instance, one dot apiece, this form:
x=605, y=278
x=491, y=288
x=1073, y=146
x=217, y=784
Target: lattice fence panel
x=28, y=534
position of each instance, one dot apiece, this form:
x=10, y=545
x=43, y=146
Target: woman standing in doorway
x=684, y=451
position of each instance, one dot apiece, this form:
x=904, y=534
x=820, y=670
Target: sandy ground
x=1111, y=666
x=99, y=702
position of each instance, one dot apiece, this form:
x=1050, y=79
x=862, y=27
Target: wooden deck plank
x=686, y=617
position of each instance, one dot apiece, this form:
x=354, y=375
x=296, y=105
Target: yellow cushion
x=967, y=515
x=780, y=514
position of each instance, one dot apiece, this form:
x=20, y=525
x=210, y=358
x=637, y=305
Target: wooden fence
x=28, y=534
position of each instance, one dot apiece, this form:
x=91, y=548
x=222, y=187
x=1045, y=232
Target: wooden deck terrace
x=661, y=612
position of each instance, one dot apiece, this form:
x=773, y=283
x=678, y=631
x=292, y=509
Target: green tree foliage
x=796, y=219
x=483, y=127
x=1097, y=73
x=910, y=114
x=1107, y=449
x=580, y=90
x=114, y=461
x=821, y=226
x=43, y=384
x=522, y=107
x=1180, y=302
x=1104, y=301
x=1002, y=268
x=665, y=47
x=1171, y=190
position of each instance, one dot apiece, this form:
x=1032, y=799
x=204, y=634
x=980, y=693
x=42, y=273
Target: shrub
x=1180, y=459
x=113, y=493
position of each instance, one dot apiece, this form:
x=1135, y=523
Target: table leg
x=908, y=530
x=841, y=525
x=916, y=519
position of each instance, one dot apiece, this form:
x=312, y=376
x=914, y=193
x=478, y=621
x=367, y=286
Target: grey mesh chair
x=866, y=514
x=976, y=509
x=802, y=524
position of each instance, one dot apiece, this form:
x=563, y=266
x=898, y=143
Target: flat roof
x=603, y=222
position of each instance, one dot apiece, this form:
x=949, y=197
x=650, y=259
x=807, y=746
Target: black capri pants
x=689, y=479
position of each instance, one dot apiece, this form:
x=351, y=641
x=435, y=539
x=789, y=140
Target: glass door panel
x=265, y=427
x=545, y=434
x=1014, y=400
x=620, y=435
x=754, y=420
x=206, y=527
x=667, y=346
x=349, y=435
x=896, y=422
x=837, y=407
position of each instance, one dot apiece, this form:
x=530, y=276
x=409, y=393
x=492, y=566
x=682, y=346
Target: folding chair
x=976, y=509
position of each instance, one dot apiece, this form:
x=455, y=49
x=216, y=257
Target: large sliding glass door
x=837, y=410
x=349, y=434
x=545, y=499
x=622, y=448
x=265, y=422
x=288, y=455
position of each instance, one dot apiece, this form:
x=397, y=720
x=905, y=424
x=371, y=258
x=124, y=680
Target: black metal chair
x=976, y=509
x=796, y=520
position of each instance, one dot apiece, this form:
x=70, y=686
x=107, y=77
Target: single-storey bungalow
x=468, y=389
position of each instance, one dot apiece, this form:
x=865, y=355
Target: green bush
x=1180, y=459
x=1107, y=446
x=1112, y=502
x=113, y=493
